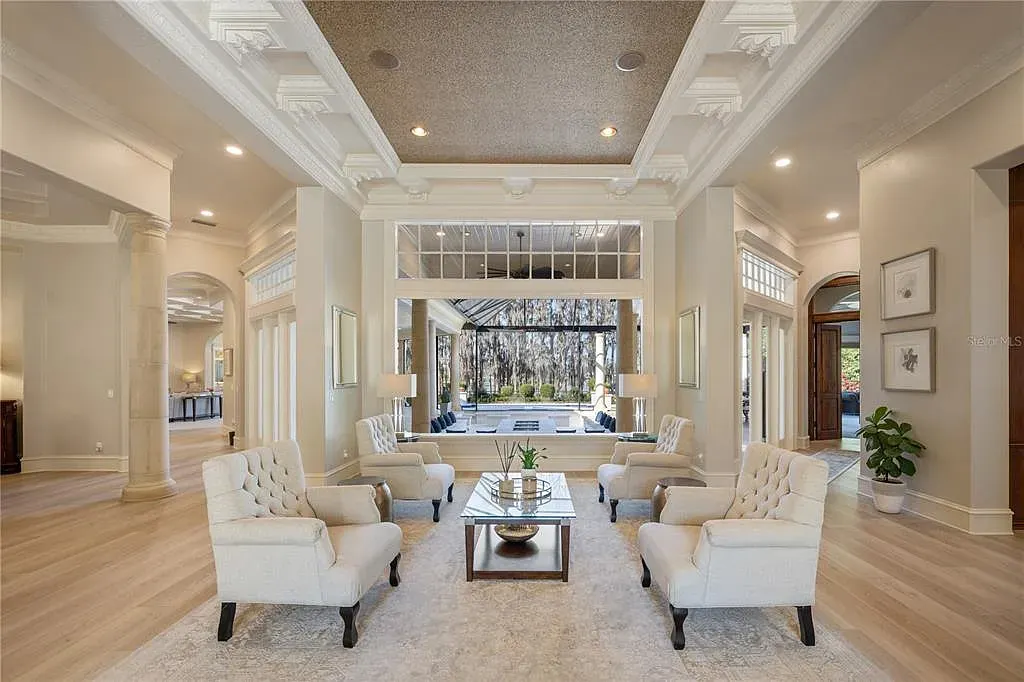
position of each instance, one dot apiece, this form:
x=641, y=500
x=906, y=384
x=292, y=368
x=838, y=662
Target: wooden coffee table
x=544, y=556
x=658, y=496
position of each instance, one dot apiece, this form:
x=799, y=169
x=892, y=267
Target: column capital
x=147, y=224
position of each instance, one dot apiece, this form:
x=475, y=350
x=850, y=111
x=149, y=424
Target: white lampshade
x=396, y=386
x=638, y=385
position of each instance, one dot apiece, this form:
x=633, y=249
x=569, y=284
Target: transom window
x=763, y=277
x=275, y=279
x=577, y=249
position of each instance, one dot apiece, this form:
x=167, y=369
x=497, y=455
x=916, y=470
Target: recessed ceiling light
x=629, y=61
x=206, y=213
x=600, y=234
x=608, y=131
x=419, y=131
x=440, y=233
x=832, y=215
x=383, y=59
x=234, y=150
x=568, y=265
x=783, y=161
x=465, y=234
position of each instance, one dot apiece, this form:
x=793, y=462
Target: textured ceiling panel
x=509, y=82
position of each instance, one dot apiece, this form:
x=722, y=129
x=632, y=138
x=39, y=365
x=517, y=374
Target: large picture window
x=570, y=249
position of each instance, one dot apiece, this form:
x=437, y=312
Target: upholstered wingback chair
x=275, y=541
x=636, y=467
x=756, y=545
x=414, y=471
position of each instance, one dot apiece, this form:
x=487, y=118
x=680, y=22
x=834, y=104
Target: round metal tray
x=543, y=491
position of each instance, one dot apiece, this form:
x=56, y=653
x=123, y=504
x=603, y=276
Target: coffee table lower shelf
x=545, y=556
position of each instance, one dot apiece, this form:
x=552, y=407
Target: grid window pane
x=476, y=266
x=430, y=238
x=563, y=263
x=497, y=238
x=607, y=267
x=586, y=266
x=497, y=266
x=607, y=238
x=453, y=266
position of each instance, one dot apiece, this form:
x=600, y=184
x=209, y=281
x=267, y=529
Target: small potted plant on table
x=506, y=455
x=530, y=458
x=888, y=442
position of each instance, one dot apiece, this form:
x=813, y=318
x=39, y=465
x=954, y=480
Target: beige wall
x=12, y=331
x=926, y=193
x=72, y=355
x=744, y=220
x=186, y=352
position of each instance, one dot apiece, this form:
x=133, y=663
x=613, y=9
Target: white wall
x=186, y=352
x=706, y=276
x=927, y=193
x=12, y=331
x=72, y=356
x=744, y=220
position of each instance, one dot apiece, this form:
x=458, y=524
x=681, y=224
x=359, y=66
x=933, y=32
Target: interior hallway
x=87, y=579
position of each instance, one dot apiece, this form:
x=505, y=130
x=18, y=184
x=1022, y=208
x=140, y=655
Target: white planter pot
x=888, y=497
x=529, y=473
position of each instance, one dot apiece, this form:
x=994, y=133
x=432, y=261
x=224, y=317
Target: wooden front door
x=1016, y=351
x=827, y=414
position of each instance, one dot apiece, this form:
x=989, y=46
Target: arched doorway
x=833, y=401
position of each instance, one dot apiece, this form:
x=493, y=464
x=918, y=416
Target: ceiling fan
x=524, y=271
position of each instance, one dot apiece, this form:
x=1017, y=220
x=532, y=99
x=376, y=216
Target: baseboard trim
x=113, y=463
x=974, y=521
x=802, y=442
x=338, y=473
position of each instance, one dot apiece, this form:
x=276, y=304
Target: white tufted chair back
x=376, y=435
x=263, y=481
x=779, y=484
x=675, y=435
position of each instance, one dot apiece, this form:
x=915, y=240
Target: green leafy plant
x=527, y=390
x=506, y=454
x=547, y=391
x=445, y=396
x=506, y=391
x=887, y=442
x=530, y=456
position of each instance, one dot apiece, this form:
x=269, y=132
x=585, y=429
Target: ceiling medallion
x=629, y=61
x=383, y=59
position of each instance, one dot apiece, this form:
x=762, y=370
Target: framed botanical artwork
x=689, y=348
x=908, y=285
x=345, y=354
x=908, y=360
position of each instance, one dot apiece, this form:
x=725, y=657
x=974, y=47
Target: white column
x=789, y=382
x=773, y=392
x=283, y=375
x=456, y=373
x=149, y=448
x=431, y=369
x=267, y=360
x=756, y=403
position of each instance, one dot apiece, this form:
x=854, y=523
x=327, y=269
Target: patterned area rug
x=602, y=625
x=838, y=461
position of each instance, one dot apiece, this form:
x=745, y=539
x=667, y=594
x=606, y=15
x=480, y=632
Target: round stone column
x=149, y=449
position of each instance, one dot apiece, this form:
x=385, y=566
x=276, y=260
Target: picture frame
x=908, y=285
x=908, y=360
x=229, y=362
x=689, y=348
x=344, y=347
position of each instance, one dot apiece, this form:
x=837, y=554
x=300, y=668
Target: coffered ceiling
x=194, y=298
x=509, y=82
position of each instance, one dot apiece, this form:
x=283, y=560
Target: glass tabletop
x=482, y=505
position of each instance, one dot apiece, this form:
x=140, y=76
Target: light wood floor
x=87, y=579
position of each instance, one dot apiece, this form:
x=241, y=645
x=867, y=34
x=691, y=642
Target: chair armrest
x=622, y=450
x=343, y=505
x=288, y=530
x=657, y=459
x=685, y=506
x=429, y=452
x=392, y=459
x=760, y=533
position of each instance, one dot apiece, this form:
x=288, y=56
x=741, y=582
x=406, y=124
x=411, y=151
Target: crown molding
x=762, y=209
x=714, y=97
x=810, y=54
x=276, y=214
x=751, y=242
x=605, y=209
x=231, y=239
x=840, y=235
x=57, y=234
x=992, y=68
x=282, y=246
x=32, y=74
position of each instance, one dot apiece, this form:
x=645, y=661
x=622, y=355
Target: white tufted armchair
x=275, y=541
x=635, y=468
x=414, y=471
x=756, y=545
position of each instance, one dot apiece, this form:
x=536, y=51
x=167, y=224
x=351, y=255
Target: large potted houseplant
x=888, y=443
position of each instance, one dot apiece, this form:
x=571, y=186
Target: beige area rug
x=602, y=625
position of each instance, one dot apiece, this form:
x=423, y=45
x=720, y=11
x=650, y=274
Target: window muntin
x=763, y=277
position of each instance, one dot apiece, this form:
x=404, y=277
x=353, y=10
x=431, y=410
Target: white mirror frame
x=689, y=348
x=345, y=347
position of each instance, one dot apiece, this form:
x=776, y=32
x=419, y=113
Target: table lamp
x=188, y=378
x=639, y=387
x=397, y=387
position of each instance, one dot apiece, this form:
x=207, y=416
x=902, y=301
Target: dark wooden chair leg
x=348, y=616
x=450, y=489
x=645, y=581
x=394, y=578
x=227, y=621
x=437, y=510
x=614, y=504
x=678, y=616
x=803, y=614
x=600, y=493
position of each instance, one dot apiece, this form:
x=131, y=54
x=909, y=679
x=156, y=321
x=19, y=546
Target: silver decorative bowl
x=516, y=532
